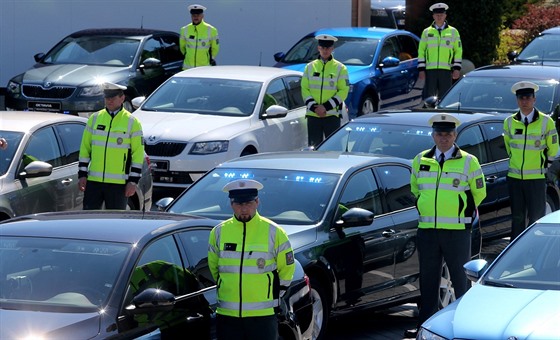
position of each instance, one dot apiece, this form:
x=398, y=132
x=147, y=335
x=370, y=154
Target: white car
x=204, y=116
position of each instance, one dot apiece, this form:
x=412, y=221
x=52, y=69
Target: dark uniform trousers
x=455, y=247
x=438, y=81
x=247, y=328
x=112, y=194
x=528, y=199
x=320, y=128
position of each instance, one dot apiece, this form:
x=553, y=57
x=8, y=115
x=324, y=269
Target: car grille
x=165, y=149
x=55, y=92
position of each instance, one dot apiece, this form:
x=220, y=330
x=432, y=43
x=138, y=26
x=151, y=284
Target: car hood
x=486, y=312
x=71, y=74
x=36, y=325
x=187, y=127
x=354, y=72
x=300, y=235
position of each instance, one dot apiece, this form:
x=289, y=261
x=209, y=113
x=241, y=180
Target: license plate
x=44, y=106
x=160, y=165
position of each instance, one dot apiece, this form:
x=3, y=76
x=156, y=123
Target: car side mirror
x=431, y=102
x=512, y=55
x=356, y=217
x=389, y=62
x=137, y=101
x=278, y=56
x=151, y=300
x=475, y=268
x=163, y=203
x=36, y=169
x=39, y=57
x=149, y=63
x=275, y=111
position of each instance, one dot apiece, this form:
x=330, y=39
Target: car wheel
x=368, y=105
x=320, y=310
x=131, y=204
x=407, y=251
x=446, y=291
x=247, y=152
x=550, y=206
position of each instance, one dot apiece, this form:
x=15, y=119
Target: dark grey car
x=67, y=79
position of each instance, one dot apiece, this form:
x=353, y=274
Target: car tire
x=446, y=291
x=368, y=104
x=407, y=251
x=320, y=309
x=131, y=204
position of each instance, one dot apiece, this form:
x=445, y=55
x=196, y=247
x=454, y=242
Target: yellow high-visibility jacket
x=446, y=198
x=198, y=43
x=530, y=147
x=440, y=50
x=250, y=262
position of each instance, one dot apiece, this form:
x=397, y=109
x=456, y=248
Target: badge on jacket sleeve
x=119, y=141
x=260, y=263
x=290, y=257
x=479, y=183
x=554, y=139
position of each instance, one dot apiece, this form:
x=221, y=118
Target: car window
x=275, y=95
x=94, y=50
x=294, y=92
x=355, y=51
x=42, y=146
x=494, y=132
x=151, y=50
x=71, y=138
x=472, y=141
x=170, y=49
x=7, y=155
x=195, y=244
x=361, y=191
x=395, y=179
x=390, y=48
x=409, y=47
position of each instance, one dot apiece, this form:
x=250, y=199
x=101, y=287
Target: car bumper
x=73, y=106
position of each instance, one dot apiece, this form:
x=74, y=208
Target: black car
x=68, y=78
x=406, y=133
x=351, y=220
x=118, y=275
x=544, y=49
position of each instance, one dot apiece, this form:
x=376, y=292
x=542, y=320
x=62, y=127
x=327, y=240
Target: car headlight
x=425, y=334
x=91, y=91
x=13, y=87
x=205, y=148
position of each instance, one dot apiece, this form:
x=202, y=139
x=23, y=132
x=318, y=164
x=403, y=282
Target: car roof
x=553, y=30
x=119, y=32
x=24, y=121
x=552, y=218
x=240, y=72
x=367, y=32
x=111, y=226
x=524, y=71
x=334, y=162
x=421, y=117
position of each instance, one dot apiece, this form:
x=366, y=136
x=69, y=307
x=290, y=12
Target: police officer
x=448, y=184
x=252, y=261
x=440, y=53
x=531, y=141
x=199, y=41
x=324, y=87
x=111, y=153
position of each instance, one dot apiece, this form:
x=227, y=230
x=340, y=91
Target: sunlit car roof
x=24, y=121
x=515, y=71
x=113, y=226
x=418, y=117
x=324, y=161
x=363, y=32
x=124, y=32
x=237, y=72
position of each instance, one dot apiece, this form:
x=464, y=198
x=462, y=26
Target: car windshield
x=390, y=139
x=532, y=262
x=222, y=97
x=543, y=48
x=49, y=273
x=288, y=197
x=7, y=155
x=493, y=94
x=94, y=50
x=348, y=50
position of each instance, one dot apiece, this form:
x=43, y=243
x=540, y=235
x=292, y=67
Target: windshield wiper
x=498, y=284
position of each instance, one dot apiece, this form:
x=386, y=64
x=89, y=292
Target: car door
x=45, y=193
x=296, y=113
x=148, y=78
x=70, y=138
x=392, y=79
x=367, y=265
x=161, y=266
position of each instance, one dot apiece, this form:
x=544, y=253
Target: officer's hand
x=82, y=182
x=130, y=189
x=421, y=75
x=456, y=74
x=320, y=111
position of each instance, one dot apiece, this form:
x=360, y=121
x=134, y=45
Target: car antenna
x=260, y=58
x=142, y=23
x=348, y=129
x=459, y=106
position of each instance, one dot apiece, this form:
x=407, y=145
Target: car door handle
x=388, y=233
x=67, y=181
x=404, y=71
x=491, y=179
x=194, y=317
x=294, y=122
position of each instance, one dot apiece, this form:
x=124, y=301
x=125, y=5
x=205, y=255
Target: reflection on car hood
x=70, y=74
x=187, y=126
x=300, y=235
x=499, y=313
x=35, y=325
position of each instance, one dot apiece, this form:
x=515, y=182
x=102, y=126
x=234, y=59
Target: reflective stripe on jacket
x=440, y=50
x=112, y=149
x=447, y=198
x=325, y=84
x=198, y=43
x=250, y=262
x=529, y=147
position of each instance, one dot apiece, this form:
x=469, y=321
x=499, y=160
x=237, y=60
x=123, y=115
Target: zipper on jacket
x=241, y=270
x=107, y=142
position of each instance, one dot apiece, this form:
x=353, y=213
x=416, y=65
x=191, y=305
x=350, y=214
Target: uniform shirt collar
x=530, y=116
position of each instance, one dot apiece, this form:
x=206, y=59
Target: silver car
x=39, y=167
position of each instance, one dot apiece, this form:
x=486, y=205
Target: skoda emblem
x=152, y=138
x=119, y=140
x=48, y=84
x=260, y=263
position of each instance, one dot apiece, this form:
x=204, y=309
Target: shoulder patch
x=290, y=257
x=479, y=183
x=554, y=139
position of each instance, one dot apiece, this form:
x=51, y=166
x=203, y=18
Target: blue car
x=517, y=297
x=382, y=66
